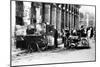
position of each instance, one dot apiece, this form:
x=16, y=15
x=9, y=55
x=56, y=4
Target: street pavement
x=58, y=55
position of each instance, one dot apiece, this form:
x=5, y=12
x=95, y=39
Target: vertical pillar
x=27, y=13
x=73, y=26
x=43, y=12
x=74, y=16
x=87, y=19
x=19, y=13
x=62, y=16
x=33, y=13
x=69, y=16
x=38, y=17
x=58, y=18
x=68, y=20
x=53, y=20
x=77, y=18
x=13, y=22
x=70, y=12
x=65, y=16
x=39, y=12
x=47, y=13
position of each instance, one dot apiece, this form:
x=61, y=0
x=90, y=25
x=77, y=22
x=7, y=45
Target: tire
x=85, y=43
x=44, y=47
x=72, y=45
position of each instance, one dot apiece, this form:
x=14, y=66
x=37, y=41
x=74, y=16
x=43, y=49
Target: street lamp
x=67, y=10
x=59, y=5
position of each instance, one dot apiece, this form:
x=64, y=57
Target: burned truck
x=33, y=40
x=76, y=39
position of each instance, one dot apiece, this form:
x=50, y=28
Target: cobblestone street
x=56, y=56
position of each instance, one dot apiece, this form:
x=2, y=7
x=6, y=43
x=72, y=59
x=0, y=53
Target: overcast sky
x=90, y=9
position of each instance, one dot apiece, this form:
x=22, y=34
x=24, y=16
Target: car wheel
x=85, y=43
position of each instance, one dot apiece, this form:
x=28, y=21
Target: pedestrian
x=83, y=32
x=91, y=34
x=67, y=33
x=63, y=35
x=55, y=37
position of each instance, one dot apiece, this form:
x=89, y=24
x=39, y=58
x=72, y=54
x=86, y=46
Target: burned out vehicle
x=34, y=40
x=31, y=42
x=77, y=40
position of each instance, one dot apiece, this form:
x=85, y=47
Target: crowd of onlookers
x=82, y=32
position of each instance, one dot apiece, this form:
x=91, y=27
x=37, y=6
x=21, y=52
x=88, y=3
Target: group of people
x=82, y=32
x=86, y=32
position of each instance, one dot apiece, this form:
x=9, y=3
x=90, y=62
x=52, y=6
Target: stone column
x=68, y=22
x=87, y=20
x=19, y=13
x=70, y=12
x=65, y=16
x=53, y=13
x=39, y=12
x=58, y=18
x=76, y=18
x=27, y=13
x=69, y=16
x=73, y=26
x=47, y=13
x=43, y=12
x=38, y=17
x=62, y=16
x=33, y=13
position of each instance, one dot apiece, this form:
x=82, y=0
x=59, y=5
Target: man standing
x=90, y=32
x=55, y=37
x=66, y=37
x=91, y=35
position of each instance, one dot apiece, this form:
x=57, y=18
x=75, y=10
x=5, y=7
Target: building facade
x=61, y=16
